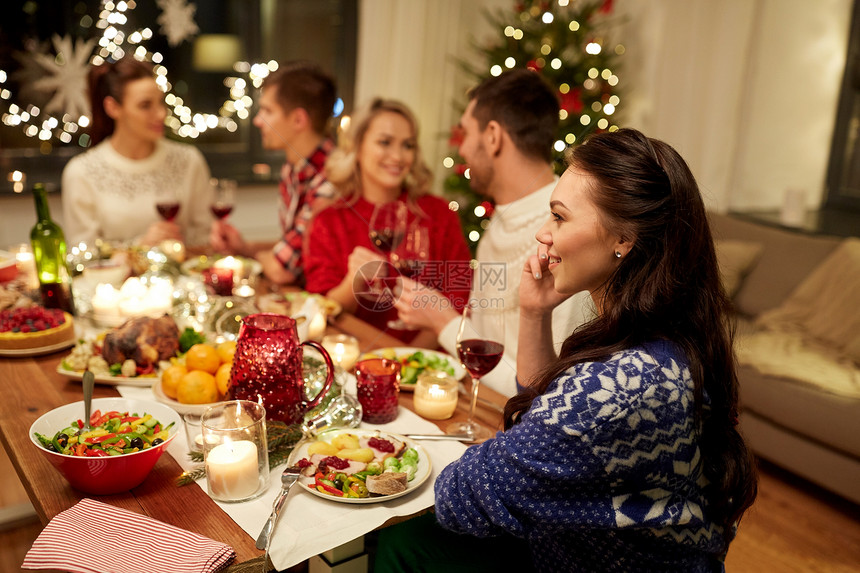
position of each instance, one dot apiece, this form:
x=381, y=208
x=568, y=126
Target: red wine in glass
x=386, y=240
x=168, y=209
x=221, y=210
x=479, y=356
x=409, y=268
x=480, y=343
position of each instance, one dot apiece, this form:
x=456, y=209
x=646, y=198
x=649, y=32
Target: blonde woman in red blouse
x=378, y=161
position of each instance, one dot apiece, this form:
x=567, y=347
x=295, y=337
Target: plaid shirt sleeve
x=289, y=249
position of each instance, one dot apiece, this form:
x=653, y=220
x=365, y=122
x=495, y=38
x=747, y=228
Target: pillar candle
x=233, y=471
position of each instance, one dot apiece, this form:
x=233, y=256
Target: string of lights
x=67, y=126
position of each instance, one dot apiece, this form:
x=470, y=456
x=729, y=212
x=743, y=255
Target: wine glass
x=388, y=226
x=409, y=260
x=480, y=343
x=224, y=199
x=343, y=410
x=168, y=206
x=386, y=231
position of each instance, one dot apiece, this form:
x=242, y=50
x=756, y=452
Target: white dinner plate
x=24, y=352
x=403, y=351
x=196, y=409
x=421, y=475
x=139, y=381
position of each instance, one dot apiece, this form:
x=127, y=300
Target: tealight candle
x=232, y=470
x=244, y=291
x=435, y=396
x=343, y=349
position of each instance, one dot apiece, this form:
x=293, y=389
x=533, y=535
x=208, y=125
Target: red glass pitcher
x=267, y=367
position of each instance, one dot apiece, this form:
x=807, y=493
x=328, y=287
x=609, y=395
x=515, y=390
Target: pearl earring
x=617, y=254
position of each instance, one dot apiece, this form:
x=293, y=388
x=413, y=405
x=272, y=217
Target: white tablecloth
x=308, y=524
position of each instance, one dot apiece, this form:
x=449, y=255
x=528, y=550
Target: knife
x=458, y=437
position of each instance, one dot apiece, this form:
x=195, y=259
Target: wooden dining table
x=32, y=386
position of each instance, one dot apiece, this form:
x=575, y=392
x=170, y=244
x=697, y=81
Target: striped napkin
x=93, y=537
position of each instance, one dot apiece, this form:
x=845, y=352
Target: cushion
x=825, y=307
x=735, y=259
x=786, y=259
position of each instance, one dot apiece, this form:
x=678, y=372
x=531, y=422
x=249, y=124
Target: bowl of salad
x=127, y=438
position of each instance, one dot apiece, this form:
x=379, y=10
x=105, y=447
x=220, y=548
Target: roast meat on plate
x=144, y=340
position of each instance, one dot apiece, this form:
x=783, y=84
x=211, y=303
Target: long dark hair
x=666, y=288
x=110, y=79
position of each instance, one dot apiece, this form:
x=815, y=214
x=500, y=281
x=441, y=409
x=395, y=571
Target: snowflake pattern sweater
x=603, y=473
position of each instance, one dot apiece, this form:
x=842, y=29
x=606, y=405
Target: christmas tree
x=565, y=41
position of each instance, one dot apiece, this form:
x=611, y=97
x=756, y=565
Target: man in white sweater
x=508, y=130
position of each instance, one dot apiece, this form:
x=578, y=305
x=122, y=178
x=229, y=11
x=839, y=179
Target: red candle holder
x=378, y=384
x=219, y=281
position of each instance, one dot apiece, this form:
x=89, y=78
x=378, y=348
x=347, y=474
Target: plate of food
x=361, y=466
x=292, y=303
x=143, y=381
x=414, y=361
x=131, y=355
x=249, y=267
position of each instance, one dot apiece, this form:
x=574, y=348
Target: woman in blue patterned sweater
x=621, y=453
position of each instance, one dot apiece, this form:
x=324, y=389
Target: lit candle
x=233, y=471
x=26, y=264
x=435, y=396
x=231, y=263
x=106, y=301
x=343, y=349
x=244, y=291
x=316, y=328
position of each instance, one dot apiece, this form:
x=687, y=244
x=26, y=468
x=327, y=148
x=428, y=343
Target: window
x=206, y=52
x=843, y=173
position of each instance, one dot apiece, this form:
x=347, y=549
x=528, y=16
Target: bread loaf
x=387, y=483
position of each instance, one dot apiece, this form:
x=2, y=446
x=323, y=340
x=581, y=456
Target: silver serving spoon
x=89, y=382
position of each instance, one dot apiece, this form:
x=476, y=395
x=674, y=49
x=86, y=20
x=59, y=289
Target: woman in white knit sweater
x=111, y=190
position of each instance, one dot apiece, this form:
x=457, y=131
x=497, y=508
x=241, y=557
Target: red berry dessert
x=35, y=327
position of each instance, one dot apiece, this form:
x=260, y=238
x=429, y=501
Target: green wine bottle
x=49, y=252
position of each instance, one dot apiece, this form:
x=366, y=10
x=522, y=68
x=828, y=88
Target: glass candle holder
x=435, y=396
x=235, y=450
x=378, y=383
x=193, y=432
x=219, y=280
x=343, y=349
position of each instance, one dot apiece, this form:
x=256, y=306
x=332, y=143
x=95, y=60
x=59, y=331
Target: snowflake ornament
x=64, y=75
x=177, y=21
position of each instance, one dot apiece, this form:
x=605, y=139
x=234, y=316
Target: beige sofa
x=801, y=406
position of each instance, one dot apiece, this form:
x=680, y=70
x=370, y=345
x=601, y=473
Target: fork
x=288, y=478
x=88, y=382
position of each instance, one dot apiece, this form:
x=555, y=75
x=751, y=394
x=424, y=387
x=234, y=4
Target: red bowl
x=108, y=475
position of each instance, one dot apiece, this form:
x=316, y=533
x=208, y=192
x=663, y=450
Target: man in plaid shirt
x=295, y=107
